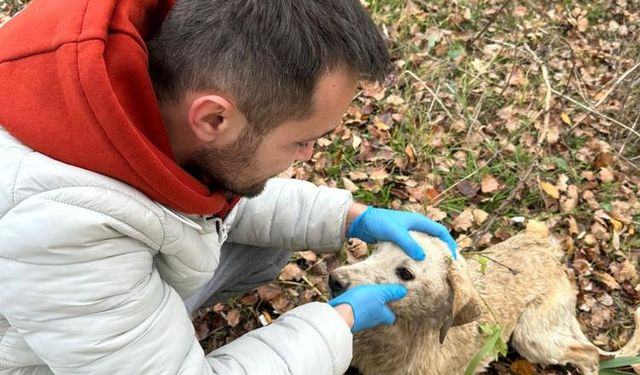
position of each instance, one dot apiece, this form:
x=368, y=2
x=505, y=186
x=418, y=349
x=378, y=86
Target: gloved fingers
x=388, y=317
x=392, y=292
x=403, y=239
x=427, y=226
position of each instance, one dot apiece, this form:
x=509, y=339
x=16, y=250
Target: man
x=130, y=131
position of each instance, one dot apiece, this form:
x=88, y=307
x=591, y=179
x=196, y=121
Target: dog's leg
x=547, y=332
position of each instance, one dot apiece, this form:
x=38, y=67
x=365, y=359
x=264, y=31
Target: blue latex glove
x=377, y=224
x=368, y=303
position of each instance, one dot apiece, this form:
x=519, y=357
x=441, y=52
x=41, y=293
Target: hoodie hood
x=75, y=87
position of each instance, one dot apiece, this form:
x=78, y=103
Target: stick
x=547, y=98
x=435, y=97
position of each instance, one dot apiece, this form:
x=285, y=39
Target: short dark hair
x=267, y=54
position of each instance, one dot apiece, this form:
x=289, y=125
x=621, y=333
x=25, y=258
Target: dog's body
x=524, y=289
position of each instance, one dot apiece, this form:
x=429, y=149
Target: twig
x=547, y=98
x=435, y=97
x=491, y=21
x=445, y=191
x=615, y=85
x=595, y=112
x=314, y=288
x=513, y=271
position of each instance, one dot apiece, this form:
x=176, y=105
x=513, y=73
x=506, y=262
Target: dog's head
x=440, y=291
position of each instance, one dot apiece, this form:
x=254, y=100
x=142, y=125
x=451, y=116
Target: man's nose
x=337, y=284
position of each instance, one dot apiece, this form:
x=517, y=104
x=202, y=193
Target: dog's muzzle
x=337, y=284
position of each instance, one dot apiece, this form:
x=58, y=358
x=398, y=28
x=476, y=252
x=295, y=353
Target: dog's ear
x=463, y=299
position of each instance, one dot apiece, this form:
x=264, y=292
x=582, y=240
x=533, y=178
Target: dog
x=524, y=289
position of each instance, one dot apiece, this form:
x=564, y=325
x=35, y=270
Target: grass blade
x=486, y=349
x=619, y=362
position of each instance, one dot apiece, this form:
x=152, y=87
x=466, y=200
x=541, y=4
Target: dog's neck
x=415, y=345
x=408, y=342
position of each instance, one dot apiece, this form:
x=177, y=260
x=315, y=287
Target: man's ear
x=463, y=299
x=209, y=117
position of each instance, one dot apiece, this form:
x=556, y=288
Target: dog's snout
x=337, y=284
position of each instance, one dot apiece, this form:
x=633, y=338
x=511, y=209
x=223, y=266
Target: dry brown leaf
x=309, y=256
x=517, y=77
x=378, y=174
x=464, y=221
x=395, y=100
x=233, y=317
x=479, y=216
x=573, y=225
x=520, y=11
x=605, y=175
x=411, y=153
x=522, y=367
x=550, y=189
x=291, y=272
x=468, y=189
x=607, y=280
x=489, y=184
x=583, y=24
x=358, y=176
x=624, y=271
x=269, y=292
x=349, y=185
x=435, y=213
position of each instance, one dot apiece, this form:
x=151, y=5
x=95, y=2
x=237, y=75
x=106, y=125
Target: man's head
x=246, y=86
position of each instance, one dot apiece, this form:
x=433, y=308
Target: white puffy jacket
x=93, y=272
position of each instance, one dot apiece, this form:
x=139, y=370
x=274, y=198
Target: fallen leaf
x=464, y=221
x=489, y=184
x=269, y=292
x=291, y=272
x=435, y=213
x=309, y=256
x=479, y=216
x=468, y=189
x=565, y=118
x=349, y=185
x=432, y=194
x=411, y=153
x=378, y=174
x=233, y=317
x=605, y=175
x=583, y=24
x=522, y=367
x=395, y=100
x=550, y=189
x=624, y=271
x=607, y=280
x=358, y=176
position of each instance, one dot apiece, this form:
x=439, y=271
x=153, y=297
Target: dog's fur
x=524, y=289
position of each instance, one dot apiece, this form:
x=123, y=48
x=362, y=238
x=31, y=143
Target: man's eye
x=302, y=146
x=405, y=274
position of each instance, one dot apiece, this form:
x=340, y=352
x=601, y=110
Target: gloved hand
x=377, y=224
x=368, y=303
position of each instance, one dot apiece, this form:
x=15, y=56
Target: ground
x=499, y=114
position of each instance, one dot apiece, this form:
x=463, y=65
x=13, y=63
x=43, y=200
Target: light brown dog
x=524, y=289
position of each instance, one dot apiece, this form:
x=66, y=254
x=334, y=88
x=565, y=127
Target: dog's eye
x=405, y=274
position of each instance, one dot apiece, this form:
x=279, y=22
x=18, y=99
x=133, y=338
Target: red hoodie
x=74, y=86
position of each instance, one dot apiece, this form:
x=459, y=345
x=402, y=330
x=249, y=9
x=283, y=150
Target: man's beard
x=216, y=168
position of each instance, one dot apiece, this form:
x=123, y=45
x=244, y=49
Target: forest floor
x=499, y=114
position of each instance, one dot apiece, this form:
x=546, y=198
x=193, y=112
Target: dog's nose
x=337, y=284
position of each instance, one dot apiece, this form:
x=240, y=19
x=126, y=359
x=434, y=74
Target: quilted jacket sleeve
x=80, y=288
x=293, y=214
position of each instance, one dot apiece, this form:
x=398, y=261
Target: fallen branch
x=547, y=98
